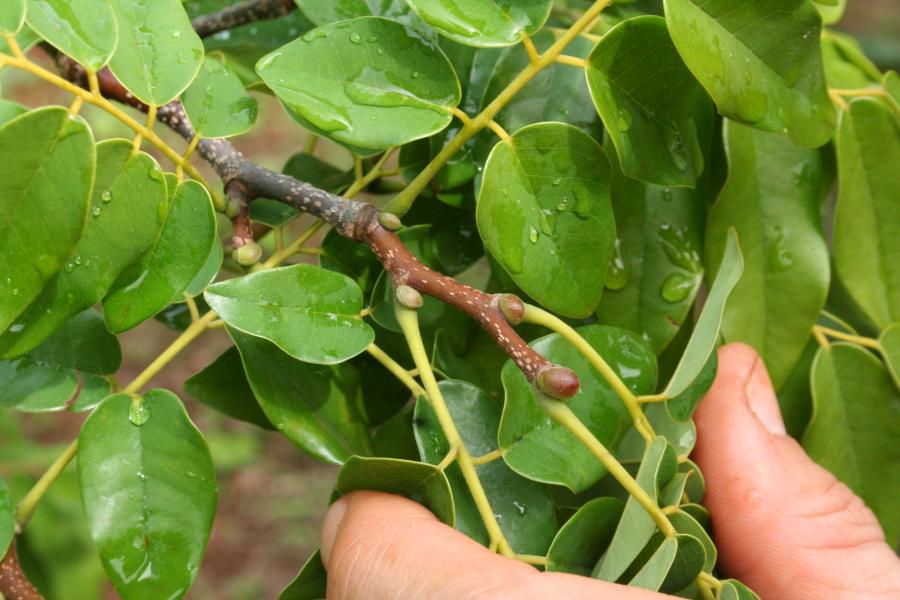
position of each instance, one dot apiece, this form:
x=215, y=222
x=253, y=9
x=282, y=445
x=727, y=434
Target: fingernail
x=330, y=528
x=762, y=400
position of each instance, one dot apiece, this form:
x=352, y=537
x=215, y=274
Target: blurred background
x=271, y=497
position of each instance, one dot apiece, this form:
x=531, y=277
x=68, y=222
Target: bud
x=512, y=308
x=558, y=382
x=232, y=208
x=408, y=297
x=389, y=221
x=248, y=254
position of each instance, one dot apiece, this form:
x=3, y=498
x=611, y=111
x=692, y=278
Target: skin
x=783, y=525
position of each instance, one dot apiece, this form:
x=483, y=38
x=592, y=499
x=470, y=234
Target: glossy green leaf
x=846, y=66
x=321, y=13
x=26, y=38
x=44, y=152
x=650, y=103
x=541, y=449
x=867, y=217
x=584, y=537
x=12, y=15
x=309, y=312
x=761, y=62
x=890, y=349
x=682, y=406
x=117, y=234
x=656, y=269
x=217, y=104
x=425, y=484
x=149, y=492
x=158, y=53
x=706, y=331
x=83, y=29
x=831, y=11
x=855, y=427
x=310, y=582
x=357, y=80
x=10, y=110
x=636, y=527
x=7, y=518
x=733, y=589
x=523, y=508
x=771, y=198
x=81, y=343
x=681, y=435
x=28, y=386
x=544, y=213
x=222, y=386
x=484, y=22
x=207, y=273
x=317, y=407
x=180, y=252
x=654, y=571
x=94, y=389
x=686, y=524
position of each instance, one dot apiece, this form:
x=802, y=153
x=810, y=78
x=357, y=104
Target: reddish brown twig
x=241, y=14
x=13, y=583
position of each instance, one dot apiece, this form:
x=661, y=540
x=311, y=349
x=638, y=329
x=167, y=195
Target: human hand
x=783, y=525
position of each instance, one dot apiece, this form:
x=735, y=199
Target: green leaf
x=321, y=13
x=7, y=518
x=541, y=449
x=544, y=213
x=222, y=386
x=12, y=15
x=523, y=508
x=426, y=484
x=867, y=217
x=650, y=103
x=217, y=104
x=28, y=386
x=81, y=343
x=317, y=407
x=686, y=524
x=117, y=235
x=158, y=54
x=310, y=582
x=83, y=29
x=855, y=428
x=681, y=435
x=706, y=331
x=309, y=312
x=207, y=273
x=94, y=389
x=761, y=62
x=636, y=527
x=181, y=250
x=369, y=82
x=584, y=537
x=771, y=198
x=831, y=11
x=44, y=152
x=654, y=571
x=890, y=349
x=656, y=269
x=682, y=406
x=149, y=492
x=484, y=22
x=732, y=589
x=846, y=66
x=10, y=110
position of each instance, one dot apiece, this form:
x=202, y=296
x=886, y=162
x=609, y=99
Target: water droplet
x=520, y=508
x=678, y=287
x=15, y=292
x=376, y=87
x=780, y=258
x=314, y=34
x=70, y=267
x=679, y=248
x=372, y=39
x=678, y=153
x=505, y=191
x=618, y=273
x=557, y=181
x=415, y=75
x=667, y=194
x=138, y=411
x=355, y=38
x=176, y=34
x=584, y=204
x=78, y=260
x=96, y=211
x=156, y=173
x=106, y=196
x=624, y=120
x=534, y=235
x=547, y=222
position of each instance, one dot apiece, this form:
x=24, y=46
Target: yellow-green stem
x=396, y=369
x=539, y=316
x=29, y=503
x=847, y=337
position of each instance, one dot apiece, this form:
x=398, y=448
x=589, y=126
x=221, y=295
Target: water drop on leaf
x=138, y=411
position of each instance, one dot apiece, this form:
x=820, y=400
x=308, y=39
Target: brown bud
x=558, y=382
x=512, y=308
x=408, y=297
x=389, y=221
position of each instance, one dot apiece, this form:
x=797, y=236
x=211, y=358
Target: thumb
x=783, y=524
x=377, y=547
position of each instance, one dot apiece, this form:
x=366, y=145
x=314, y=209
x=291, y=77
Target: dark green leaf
x=855, y=428
x=81, y=343
x=149, y=491
x=687, y=565
x=890, y=349
x=117, y=234
x=867, y=217
x=310, y=582
x=654, y=571
x=29, y=386
x=650, y=103
x=682, y=406
x=44, y=152
x=544, y=213
x=484, y=22
x=180, y=252
x=681, y=435
x=207, y=273
x=217, y=104
x=317, y=407
x=7, y=518
x=357, y=80
x=307, y=167
x=94, y=389
x=685, y=523
x=425, y=484
x=541, y=449
x=733, y=589
x=309, y=312
x=83, y=29
x=321, y=13
x=584, y=537
x=760, y=61
x=222, y=385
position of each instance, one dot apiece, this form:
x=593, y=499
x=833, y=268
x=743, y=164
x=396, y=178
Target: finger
x=377, y=546
x=783, y=524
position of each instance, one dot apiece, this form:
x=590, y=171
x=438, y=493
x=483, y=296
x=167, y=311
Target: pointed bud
x=408, y=297
x=512, y=308
x=248, y=254
x=558, y=382
x=389, y=221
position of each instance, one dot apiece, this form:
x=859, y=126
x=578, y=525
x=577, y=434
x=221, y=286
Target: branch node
x=389, y=221
x=511, y=306
x=560, y=383
x=408, y=297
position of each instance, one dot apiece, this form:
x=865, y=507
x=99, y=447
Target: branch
x=14, y=585
x=241, y=14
